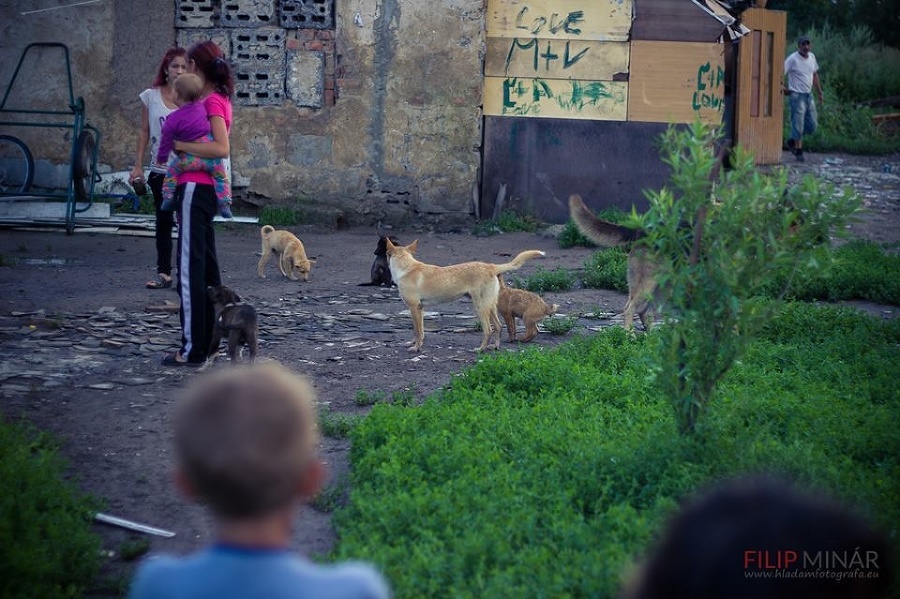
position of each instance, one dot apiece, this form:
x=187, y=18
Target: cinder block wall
x=352, y=111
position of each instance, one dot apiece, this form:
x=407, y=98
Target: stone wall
x=356, y=111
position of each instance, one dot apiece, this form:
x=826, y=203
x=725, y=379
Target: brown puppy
x=381, y=272
x=290, y=251
x=518, y=303
x=419, y=282
x=234, y=320
x=642, y=269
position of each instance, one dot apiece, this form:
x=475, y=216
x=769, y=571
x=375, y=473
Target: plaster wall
x=380, y=123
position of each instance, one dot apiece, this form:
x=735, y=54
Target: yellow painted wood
x=534, y=97
x=675, y=82
x=759, y=115
x=599, y=20
x=555, y=59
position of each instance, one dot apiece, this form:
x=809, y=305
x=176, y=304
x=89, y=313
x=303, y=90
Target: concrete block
x=305, y=81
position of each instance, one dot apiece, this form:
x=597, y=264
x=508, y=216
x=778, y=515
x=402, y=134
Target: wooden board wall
x=674, y=21
x=557, y=58
x=601, y=20
x=675, y=82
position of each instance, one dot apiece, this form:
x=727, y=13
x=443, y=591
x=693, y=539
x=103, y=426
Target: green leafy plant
x=508, y=221
x=558, y=279
x=549, y=471
x=606, y=269
x=559, y=325
x=717, y=235
x=132, y=549
x=279, y=216
x=368, y=398
x=337, y=424
x=47, y=548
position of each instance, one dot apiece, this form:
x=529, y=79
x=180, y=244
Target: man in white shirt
x=801, y=76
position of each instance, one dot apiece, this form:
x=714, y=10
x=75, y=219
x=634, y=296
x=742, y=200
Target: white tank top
x=158, y=111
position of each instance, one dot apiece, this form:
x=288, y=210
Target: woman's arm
x=137, y=170
x=217, y=148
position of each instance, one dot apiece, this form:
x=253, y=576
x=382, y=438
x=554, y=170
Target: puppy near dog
x=419, y=283
x=643, y=291
x=290, y=253
x=518, y=303
x=381, y=272
x=235, y=321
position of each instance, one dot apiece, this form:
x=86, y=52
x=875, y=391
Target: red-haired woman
x=195, y=196
x=158, y=102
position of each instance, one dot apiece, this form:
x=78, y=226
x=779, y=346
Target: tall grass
x=853, y=70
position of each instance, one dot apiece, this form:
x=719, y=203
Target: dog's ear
x=389, y=245
x=413, y=246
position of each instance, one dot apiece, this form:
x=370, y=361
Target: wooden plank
x=599, y=20
x=556, y=59
x=674, y=21
x=676, y=82
x=535, y=97
x=760, y=106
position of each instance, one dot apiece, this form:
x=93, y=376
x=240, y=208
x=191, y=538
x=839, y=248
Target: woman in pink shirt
x=195, y=195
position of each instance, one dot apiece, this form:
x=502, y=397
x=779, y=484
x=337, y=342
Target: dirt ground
x=81, y=341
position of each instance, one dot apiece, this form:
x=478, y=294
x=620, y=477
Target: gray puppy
x=235, y=320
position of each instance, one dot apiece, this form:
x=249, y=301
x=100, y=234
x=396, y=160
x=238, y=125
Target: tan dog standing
x=642, y=269
x=290, y=251
x=518, y=303
x=419, y=283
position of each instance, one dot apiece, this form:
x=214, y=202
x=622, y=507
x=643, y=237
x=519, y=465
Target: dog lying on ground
x=419, y=283
x=289, y=250
x=381, y=272
x=518, y=303
x=234, y=320
x=642, y=269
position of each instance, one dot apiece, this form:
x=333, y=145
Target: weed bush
x=606, y=269
x=47, y=548
x=547, y=472
x=556, y=280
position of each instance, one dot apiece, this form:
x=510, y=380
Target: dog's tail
x=267, y=230
x=519, y=261
x=599, y=231
x=501, y=281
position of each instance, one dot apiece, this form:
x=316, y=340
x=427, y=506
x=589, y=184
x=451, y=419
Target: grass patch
x=559, y=325
x=606, y=269
x=548, y=472
x=508, y=221
x=279, y=216
x=337, y=425
x=558, y=279
x=47, y=548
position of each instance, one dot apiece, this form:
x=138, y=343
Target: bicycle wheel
x=85, y=166
x=16, y=165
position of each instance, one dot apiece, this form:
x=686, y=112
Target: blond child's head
x=188, y=88
x=245, y=439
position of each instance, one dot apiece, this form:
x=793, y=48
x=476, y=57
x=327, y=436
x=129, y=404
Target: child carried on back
x=190, y=123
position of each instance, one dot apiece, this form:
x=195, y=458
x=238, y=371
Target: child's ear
x=185, y=486
x=313, y=480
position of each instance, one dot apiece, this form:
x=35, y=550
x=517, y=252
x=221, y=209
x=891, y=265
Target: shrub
x=716, y=257
x=558, y=279
x=47, y=548
x=546, y=472
x=606, y=269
